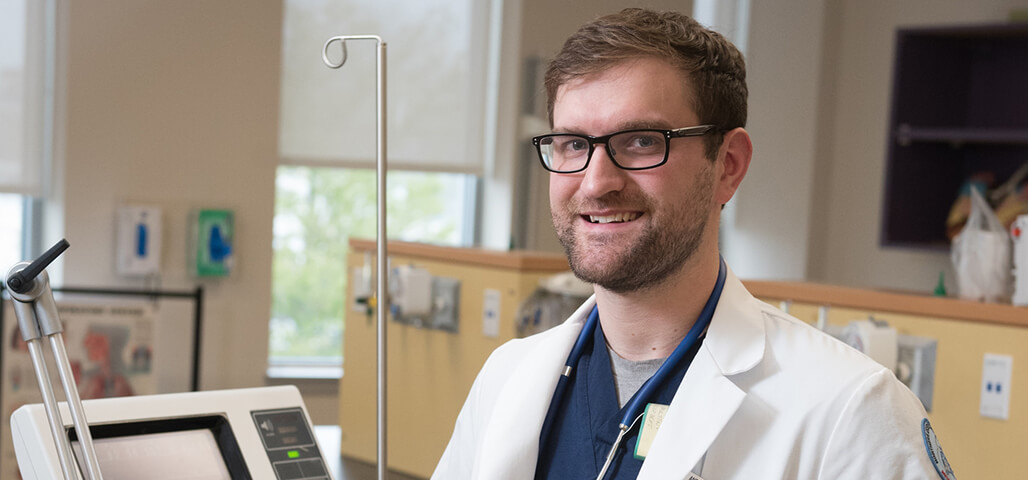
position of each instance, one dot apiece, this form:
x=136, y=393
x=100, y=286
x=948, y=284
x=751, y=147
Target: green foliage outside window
x=317, y=211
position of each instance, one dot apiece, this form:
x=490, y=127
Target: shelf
x=905, y=135
x=958, y=109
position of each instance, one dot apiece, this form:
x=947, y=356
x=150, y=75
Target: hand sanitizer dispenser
x=139, y=240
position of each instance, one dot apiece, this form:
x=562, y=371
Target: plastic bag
x=981, y=255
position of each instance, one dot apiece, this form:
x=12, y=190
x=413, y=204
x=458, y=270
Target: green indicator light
x=293, y=453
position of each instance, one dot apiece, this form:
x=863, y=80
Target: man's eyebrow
x=627, y=125
x=567, y=130
x=636, y=124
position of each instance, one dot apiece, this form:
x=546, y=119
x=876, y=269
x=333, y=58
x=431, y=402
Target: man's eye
x=643, y=141
x=577, y=145
x=572, y=146
x=638, y=143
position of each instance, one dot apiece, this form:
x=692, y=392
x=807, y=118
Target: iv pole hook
x=324, y=52
x=342, y=42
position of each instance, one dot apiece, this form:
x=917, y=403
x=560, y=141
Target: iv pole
x=382, y=263
x=37, y=315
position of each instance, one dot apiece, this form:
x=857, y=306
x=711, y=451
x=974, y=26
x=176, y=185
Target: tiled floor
x=351, y=469
x=343, y=468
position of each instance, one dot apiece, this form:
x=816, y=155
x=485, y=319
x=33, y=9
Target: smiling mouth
x=616, y=218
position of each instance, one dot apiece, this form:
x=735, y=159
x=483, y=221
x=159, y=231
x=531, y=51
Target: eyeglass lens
x=633, y=149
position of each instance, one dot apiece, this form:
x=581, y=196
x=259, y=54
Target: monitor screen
x=189, y=454
x=190, y=448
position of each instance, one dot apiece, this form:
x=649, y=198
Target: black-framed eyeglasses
x=636, y=149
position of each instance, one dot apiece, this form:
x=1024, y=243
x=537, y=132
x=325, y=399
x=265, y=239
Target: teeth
x=616, y=218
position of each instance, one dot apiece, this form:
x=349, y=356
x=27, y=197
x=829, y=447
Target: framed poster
x=118, y=344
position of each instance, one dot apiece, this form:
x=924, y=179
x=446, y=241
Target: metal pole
x=383, y=260
x=38, y=317
x=78, y=414
x=382, y=275
x=53, y=414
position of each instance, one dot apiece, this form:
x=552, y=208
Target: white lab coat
x=767, y=396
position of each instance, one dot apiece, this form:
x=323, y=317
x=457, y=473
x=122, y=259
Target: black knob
x=21, y=282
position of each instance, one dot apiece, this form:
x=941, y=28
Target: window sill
x=309, y=379
x=305, y=377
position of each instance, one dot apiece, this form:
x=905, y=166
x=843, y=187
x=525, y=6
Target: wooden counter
x=923, y=305
x=516, y=260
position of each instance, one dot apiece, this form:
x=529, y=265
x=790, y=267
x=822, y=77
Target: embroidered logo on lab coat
x=931, y=444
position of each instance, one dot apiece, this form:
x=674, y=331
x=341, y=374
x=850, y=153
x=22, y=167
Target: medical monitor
x=254, y=433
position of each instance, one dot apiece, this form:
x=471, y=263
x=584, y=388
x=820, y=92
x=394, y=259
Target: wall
x=819, y=75
x=783, y=59
x=847, y=242
x=175, y=104
x=977, y=447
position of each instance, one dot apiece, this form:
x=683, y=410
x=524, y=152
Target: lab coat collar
x=707, y=397
x=510, y=445
x=735, y=337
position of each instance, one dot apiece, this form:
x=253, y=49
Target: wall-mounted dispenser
x=420, y=299
x=910, y=357
x=210, y=244
x=139, y=240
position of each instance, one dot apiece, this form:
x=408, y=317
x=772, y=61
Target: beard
x=668, y=241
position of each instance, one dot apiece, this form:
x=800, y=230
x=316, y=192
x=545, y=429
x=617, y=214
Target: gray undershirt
x=630, y=375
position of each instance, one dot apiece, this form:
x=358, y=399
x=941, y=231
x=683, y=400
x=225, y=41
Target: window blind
x=435, y=84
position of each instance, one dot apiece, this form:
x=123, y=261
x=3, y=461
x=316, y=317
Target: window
x=11, y=252
x=325, y=192
x=317, y=211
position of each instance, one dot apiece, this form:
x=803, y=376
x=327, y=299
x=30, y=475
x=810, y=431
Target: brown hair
x=714, y=65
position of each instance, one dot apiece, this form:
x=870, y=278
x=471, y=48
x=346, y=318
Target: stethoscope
x=635, y=407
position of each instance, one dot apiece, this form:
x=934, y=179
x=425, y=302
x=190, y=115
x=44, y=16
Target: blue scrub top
x=583, y=425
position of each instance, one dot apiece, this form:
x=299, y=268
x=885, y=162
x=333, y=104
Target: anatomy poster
x=110, y=349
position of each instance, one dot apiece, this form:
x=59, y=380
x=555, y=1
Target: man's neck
x=649, y=324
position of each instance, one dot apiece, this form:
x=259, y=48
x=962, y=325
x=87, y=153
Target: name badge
x=653, y=416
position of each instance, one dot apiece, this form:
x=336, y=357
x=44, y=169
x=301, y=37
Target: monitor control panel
x=289, y=443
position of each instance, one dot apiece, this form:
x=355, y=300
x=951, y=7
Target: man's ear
x=733, y=159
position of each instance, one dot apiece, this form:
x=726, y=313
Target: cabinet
x=959, y=106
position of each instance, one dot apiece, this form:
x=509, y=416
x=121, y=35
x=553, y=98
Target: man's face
x=629, y=230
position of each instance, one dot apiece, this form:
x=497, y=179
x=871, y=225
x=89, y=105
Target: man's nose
x=602, y=176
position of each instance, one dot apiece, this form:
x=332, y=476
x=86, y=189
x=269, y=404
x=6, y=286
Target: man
x=648, y=111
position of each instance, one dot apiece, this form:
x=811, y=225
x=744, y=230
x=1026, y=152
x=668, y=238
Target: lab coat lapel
x=707, y=398
x=510, y=443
